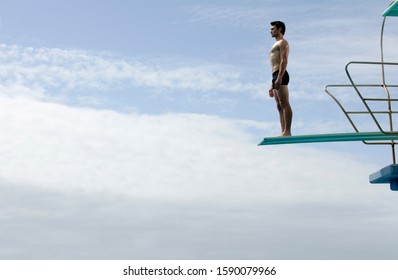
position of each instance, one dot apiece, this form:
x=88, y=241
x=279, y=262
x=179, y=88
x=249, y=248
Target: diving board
x=338, y=137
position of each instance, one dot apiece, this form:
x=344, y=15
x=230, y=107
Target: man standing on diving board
x=280, y=78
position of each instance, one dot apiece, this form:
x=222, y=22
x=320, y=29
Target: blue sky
x=130, y=131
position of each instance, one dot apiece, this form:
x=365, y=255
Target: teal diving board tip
x=338, y=137
x=392, y=10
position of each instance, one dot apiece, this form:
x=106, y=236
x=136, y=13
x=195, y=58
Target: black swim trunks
x=285, y=78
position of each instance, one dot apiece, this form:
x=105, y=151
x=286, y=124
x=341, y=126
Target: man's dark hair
x=279, y=24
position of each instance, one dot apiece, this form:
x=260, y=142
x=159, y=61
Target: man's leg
x=280, y=111
x=286, y=110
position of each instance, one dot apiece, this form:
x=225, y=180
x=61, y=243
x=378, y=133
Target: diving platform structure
x=384, y=132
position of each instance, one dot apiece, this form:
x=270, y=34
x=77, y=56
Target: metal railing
x=366, y=103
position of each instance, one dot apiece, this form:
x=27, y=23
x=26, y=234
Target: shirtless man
x=280, y=78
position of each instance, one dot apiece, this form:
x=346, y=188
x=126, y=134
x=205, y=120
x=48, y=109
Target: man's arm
x=284, y=53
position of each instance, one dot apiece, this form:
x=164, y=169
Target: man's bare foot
x=286, y=134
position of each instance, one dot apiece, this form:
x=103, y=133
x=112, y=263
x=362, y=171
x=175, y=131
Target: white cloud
x=107, y=147
x=45, y=68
